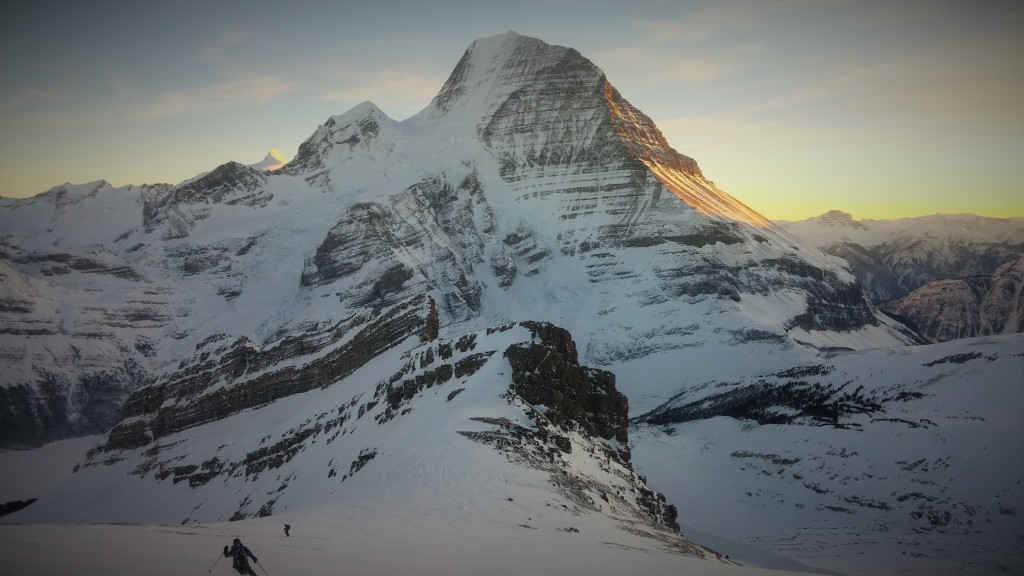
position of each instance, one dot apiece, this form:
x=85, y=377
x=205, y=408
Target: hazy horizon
x=794, y=107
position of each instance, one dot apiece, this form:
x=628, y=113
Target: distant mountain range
x=892, y=258
x=964, y=307
x=946, y=276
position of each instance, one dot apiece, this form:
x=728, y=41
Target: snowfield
x=346, y=540
x=931, y=483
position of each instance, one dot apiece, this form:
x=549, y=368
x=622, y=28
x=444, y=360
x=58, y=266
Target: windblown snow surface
x=931, y=483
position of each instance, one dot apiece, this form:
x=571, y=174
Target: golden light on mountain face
x=679, y=174
x=705, y=198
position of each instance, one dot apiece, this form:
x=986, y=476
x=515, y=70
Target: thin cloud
x=240, y=91
x=664, y=64
x=43, y=107
x=739, y=134
x=28, y=98
x=980, y=83
x=660, y=64
x=695, y=26
x=213, y=50
x=699, y=23
x=401, y=88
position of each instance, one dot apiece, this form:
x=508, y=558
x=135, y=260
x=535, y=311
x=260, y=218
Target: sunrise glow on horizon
x=793, y=107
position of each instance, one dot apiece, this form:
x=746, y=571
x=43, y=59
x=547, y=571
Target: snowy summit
x=272, y=161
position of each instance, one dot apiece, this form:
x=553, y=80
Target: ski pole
x=262, y=568
x=215, y=562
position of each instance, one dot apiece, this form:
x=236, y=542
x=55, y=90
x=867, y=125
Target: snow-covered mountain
x=964, y=307
x=453, y=315
x=529, y=188
x=892, y=258
x=80, y=327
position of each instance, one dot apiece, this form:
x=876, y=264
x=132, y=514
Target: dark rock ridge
x=806, y=395
x=179, y=209
x=569, y=409
x=222, y=379
x=99, y=262
x=546, y=371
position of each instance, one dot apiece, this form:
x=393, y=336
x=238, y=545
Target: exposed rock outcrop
x=547, y=372
x=369, y=251
x=224, y=379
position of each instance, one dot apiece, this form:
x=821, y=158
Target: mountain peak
x=836, y=217
x=538, y=106
x=356, y=113
x=496, y=66
x=272, y=161
x=357, y=127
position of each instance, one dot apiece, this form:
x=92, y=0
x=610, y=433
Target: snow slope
x=912, y=464
x=927, y=483
x=453, y=457
x=351, y=540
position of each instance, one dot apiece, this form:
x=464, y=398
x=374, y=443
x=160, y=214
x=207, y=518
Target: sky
x=796, y=107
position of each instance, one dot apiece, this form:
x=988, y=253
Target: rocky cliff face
x=432, y=219
x=223, y=378
x=965, y=307
x=547, y=372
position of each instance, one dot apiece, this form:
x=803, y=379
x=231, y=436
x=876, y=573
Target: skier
x=239, y=562
x=287, y=527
